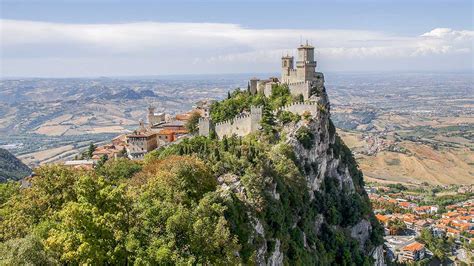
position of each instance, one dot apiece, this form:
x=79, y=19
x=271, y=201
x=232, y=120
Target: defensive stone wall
x=301, y=107
x=245, y=124
x=300, y=87
x=240, y=125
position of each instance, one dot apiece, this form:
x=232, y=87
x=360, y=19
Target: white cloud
x=29, y=48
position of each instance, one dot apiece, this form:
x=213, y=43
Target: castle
x=304, y=81
x=300, y=81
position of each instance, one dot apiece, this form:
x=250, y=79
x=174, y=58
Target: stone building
x=140, y=143
x=155, y=118
x=412, y=252
x=301, y=80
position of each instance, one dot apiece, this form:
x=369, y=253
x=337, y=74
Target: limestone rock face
x=322, y=160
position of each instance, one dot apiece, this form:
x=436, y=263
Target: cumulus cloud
x=164, y=48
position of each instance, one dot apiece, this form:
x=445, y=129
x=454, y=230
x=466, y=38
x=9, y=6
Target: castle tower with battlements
x=305, y=66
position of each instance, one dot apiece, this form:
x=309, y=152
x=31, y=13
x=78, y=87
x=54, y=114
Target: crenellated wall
x=300, y=108
x=240, y=125
x=245, y=124
x=300, y=87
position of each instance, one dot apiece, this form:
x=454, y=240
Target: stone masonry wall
x=301, y=108
x=204, y=126
x=240, y=125
x=300, y=87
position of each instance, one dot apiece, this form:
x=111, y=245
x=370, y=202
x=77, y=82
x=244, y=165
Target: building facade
x=140, y=143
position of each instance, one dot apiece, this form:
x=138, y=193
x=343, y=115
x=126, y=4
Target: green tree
x=192, y=125
x=102, y=161
x=93, y=229
x=51, y=188
x=177, y=213
x=119, y=169
x=90, y=151
x=305, y=137
x=397, y=226
x=8, y=190
x=25, y=251
x=268, y=120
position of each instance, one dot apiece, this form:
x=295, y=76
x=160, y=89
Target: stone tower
x=254, y=85
x=286, y=68
x=204, y=126
x=151, y=115
x=256, y=113
x=305, y=66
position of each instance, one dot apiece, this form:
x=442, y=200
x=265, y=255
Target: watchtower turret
x=305, y=66
x=151, y=115
x=286, y=68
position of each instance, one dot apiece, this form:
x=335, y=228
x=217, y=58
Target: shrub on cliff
x=305, y=137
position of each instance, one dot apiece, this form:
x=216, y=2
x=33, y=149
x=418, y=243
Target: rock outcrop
x=323, y=160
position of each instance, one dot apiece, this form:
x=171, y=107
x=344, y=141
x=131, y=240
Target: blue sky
x=93, y=38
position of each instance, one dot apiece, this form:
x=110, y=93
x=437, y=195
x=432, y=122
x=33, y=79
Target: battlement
x=300, y=108
x=306, y=104
x=241, y=124
x=234, y=120
x=244, y=124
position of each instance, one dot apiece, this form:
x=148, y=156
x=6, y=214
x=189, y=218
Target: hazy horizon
x=141, y=38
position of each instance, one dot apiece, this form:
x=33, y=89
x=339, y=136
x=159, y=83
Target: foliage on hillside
x=240, y=101
x=195, y=202
x=11, y=168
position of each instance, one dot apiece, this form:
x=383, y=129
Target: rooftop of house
x=382, y=218
x=167, y=131
x=415, y=246
x=141, y=134
x=174, y=123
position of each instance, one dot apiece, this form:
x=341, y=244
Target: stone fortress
x=304, y=81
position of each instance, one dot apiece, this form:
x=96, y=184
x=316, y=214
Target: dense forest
x=238, y=200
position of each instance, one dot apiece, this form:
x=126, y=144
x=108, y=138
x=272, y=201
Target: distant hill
x=11, y=168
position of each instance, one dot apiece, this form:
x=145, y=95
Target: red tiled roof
x=415, y=246
x=382, y=218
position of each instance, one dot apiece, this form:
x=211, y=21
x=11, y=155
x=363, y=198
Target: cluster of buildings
x=163, y=129
x=454, y=221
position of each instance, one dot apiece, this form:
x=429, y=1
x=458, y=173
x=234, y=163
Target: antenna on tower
x=301, y=40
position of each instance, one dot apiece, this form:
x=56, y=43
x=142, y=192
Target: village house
x=170, y=135
x=412, y=252
x=109, y=151
x=421, y=224
x=141, y=142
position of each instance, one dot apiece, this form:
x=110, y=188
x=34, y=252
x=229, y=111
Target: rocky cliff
x=315, y=211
